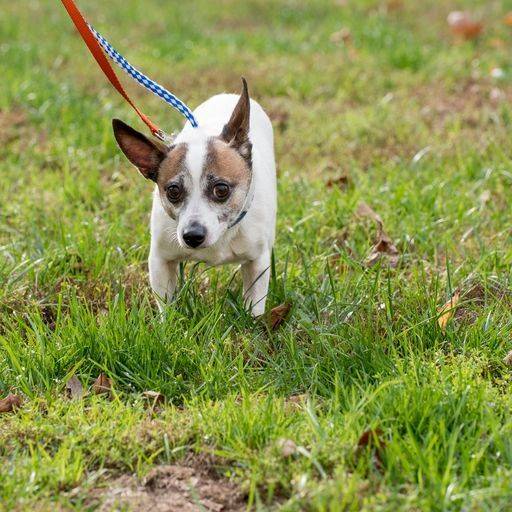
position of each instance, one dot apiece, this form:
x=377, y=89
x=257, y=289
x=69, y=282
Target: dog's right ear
x=145, y=154
x=236, y=131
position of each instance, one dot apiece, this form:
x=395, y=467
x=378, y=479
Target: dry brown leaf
x=373, y=439
x=463, y=25
x=508, y=359
x=341, y=36
x=341, y=182
x=297, y=399
x=384, y=245
x=154, y=397
x=295, y=402
x=10, y=403
x=74, y=388
x=508, y=19
x=102, y=385
x=363, y=210
x=278, y=315
x=369, y=438
x=447, y=310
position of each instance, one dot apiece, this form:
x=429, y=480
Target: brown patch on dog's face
x=226, y=163
x=225, y=169
x=172, y=165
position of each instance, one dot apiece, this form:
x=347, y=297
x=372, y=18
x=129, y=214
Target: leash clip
x=163, y=136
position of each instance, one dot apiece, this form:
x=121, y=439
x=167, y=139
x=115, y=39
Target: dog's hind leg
x=255, y=276
x=163, y=276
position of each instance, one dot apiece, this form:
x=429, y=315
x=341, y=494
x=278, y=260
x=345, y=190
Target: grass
x=420, y=127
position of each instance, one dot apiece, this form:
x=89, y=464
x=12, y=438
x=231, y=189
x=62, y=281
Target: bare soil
x=171, y=488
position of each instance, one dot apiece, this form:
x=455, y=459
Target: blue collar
x=238, y=219
x=247, y=204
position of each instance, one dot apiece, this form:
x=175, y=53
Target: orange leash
x=94, y=47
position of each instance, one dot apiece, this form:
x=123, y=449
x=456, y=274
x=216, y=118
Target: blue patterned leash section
x=143, y=80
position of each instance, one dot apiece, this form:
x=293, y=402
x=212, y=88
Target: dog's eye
x=221, y=191
x=174, y=193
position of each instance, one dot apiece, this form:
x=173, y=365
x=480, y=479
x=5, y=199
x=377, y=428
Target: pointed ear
x=145, y=154
x=236, y=131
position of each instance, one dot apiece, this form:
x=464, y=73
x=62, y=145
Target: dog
x=215, y=195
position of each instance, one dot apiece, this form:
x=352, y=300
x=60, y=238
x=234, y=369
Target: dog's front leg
x=163, y=276
x=255, y=276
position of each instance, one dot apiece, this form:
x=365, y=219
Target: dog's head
x=203, y=183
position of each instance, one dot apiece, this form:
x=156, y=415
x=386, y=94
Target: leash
x=99, y=46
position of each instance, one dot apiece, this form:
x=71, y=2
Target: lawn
x=390, y=133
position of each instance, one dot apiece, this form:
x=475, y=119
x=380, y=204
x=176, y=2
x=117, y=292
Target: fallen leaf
x=369, y=437
x=278, y=315
x=297, y=399
x=384, y=245
x=154, y=397
x=295, y=402
x=341, y=36
x=508, y=359
x=10, y=403
x=363, y=210
x=288, y=447
x=102, y=385
x=341, y=182
x=463, y=25
x=447, y=310
x=508, y=19
x=373, y=439
x=74, y=388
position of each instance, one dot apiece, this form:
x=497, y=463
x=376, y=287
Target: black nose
x=195, y=235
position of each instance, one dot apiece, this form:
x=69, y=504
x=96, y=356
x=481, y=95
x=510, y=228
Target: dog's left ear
x=236, y=131
x=145, y=154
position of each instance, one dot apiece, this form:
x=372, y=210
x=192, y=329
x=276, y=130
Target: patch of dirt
x=172, y=488
x=465, y=100
x=11, y=124
x=15, y=126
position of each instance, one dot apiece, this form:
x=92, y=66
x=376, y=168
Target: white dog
x=215, y=194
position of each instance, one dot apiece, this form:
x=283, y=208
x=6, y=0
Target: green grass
x=361, y=349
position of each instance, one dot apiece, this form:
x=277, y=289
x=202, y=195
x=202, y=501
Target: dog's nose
x=194, y=236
